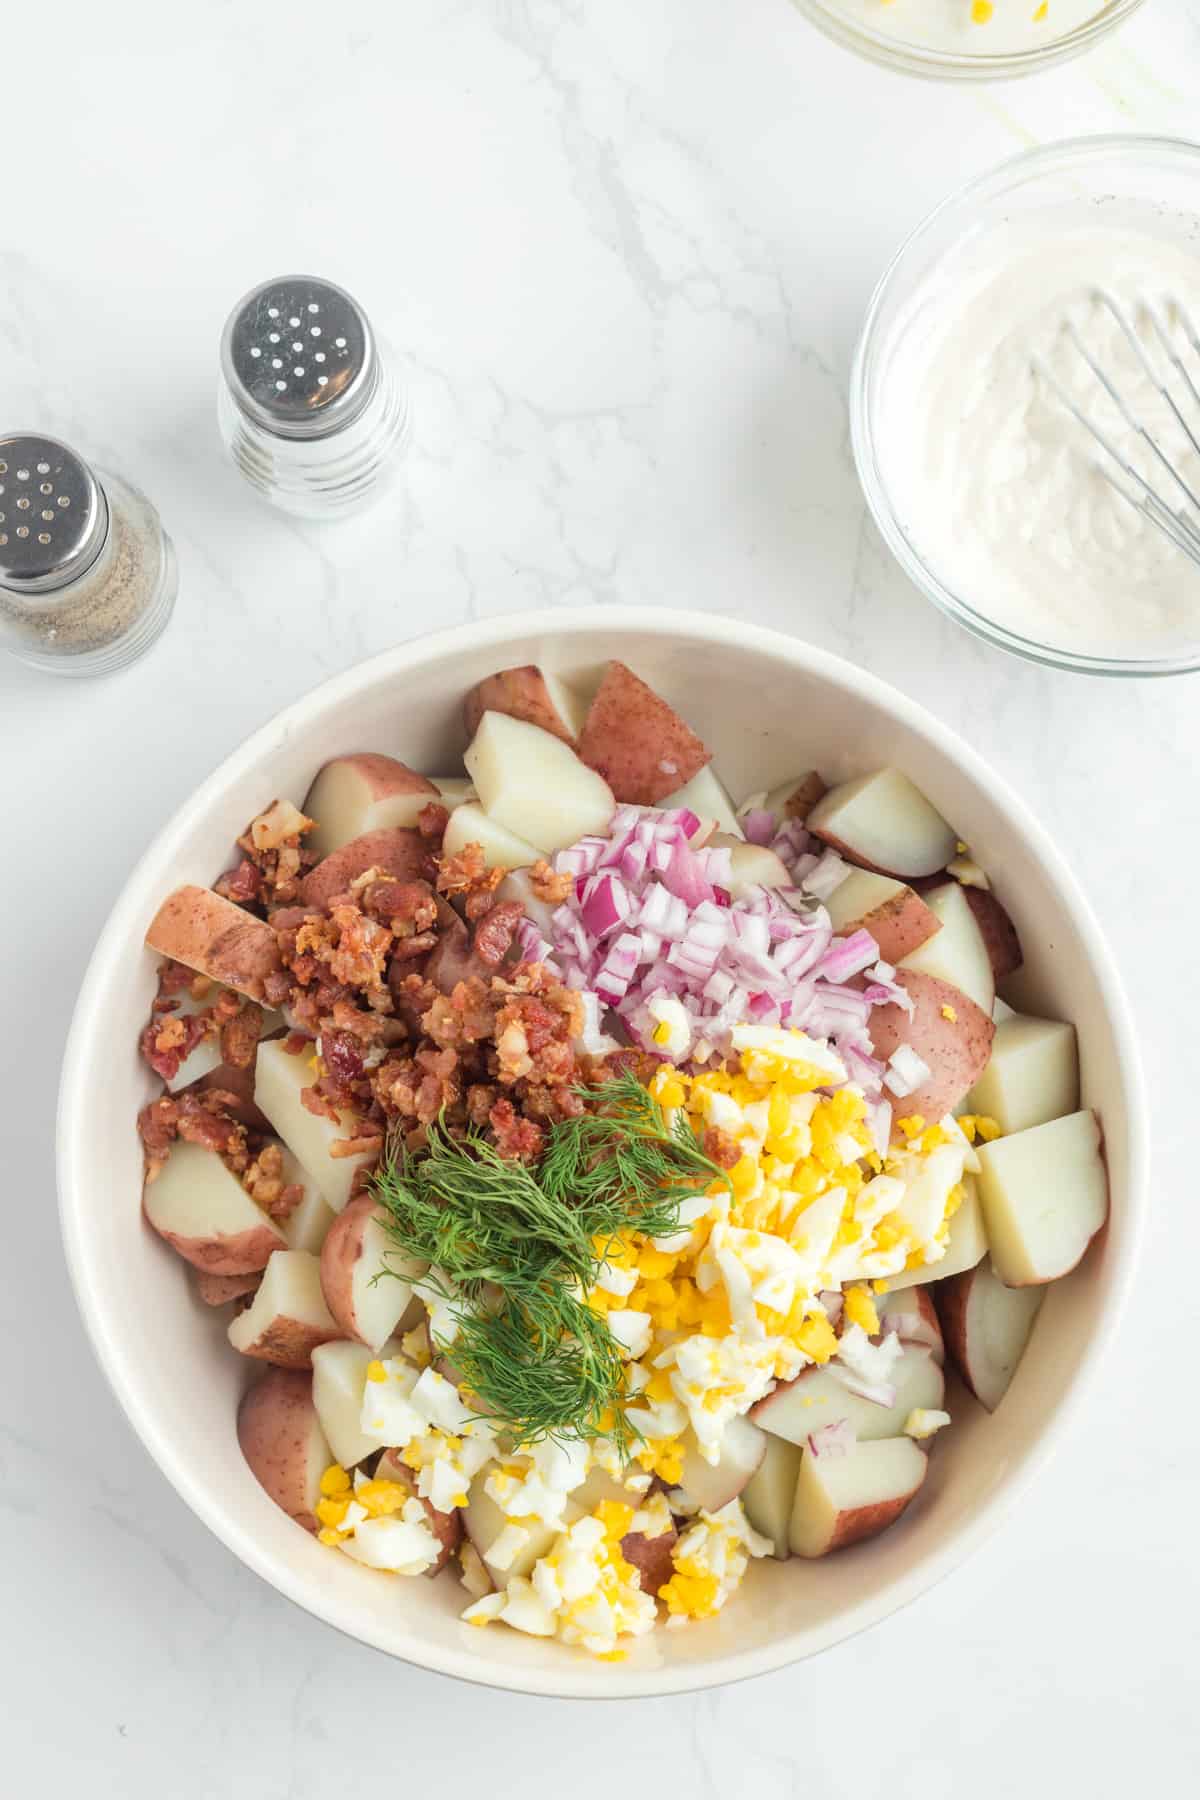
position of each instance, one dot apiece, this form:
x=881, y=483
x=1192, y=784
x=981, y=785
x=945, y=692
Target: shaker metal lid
x=53, y=514
x=299, y=357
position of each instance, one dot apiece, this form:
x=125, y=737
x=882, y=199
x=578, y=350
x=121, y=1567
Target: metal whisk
x=1175, y=522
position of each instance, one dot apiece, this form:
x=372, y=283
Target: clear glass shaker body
x=309, y=407
x=107, y=612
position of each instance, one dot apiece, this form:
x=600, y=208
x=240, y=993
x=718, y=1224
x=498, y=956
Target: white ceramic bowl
x=769, y=706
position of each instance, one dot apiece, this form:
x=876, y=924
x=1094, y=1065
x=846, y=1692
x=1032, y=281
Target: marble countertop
x=624, y=249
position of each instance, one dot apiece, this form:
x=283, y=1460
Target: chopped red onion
x=879, y=1393
x=835, y=1439
x=758, y=825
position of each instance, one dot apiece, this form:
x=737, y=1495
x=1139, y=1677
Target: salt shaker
x=309, y=406
x=87, y=573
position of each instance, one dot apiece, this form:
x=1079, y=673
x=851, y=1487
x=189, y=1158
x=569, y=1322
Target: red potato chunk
x=219, y=1290
x=288, y=1317
x=998, y=932
x=652, y=1557
x=366, y=1281
x=842, y=1499
x=640, y=745
x=283, y=1444
x=896, y=917
x=204, y=1212
x=714, y=1485
x=198, y=928
x=987, y=1327
x=399, y=851
x=883, y=822
x=1044, y=1194
x=364, y=792
x=446, y=1527
x=957, y=952
x=951, y=1035
x=526, y=693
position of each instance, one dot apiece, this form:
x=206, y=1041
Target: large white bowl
x=770, y=706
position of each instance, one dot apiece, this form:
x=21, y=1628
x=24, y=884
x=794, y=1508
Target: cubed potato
x=966, y=1244
x=638, y=743
x=279, y=1081
x=220, y=1290
x=714, y=1485
x=338, y=1382
x=1045, y=1196
x=364, y=792
x=843, y=1499
x=883, y=822
x=771, y=1491
x=484, y=1522
x=205, y=1213
x=1033, y=1075
x=210, y=934
x=956, y=953
x=307, y=1225
x=534, y=785
x=987, y=1327
x=896, y=917
x=951, y=1035
x=710, y=802
x=531, y=694
x=999, y=932
x=818, y=1397
x=288, y=1316
x=394, y=851
x=367, y=1282
x=796, y=797
x=752, y=866
x=281, y=1439
x=502, y=849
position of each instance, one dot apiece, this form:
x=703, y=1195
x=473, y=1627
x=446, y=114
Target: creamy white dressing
x=951, y=25
x=997, y=486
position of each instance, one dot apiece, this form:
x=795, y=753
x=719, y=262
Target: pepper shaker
x=309, y=406
x=87, y=573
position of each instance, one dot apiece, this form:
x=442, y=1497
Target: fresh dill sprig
x=519, y=1247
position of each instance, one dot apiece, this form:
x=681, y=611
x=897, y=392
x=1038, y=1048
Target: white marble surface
x=625, y=247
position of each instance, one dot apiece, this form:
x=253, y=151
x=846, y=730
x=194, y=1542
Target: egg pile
x=766, y=1273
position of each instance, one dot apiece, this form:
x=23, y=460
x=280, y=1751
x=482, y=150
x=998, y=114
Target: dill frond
x=520, y=1246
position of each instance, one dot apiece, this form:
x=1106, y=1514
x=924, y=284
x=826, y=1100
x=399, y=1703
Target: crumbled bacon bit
x=242, y=884
x=432, y=821
x=515, y=1137
x=279, y=825
x=720, y=1148
x=370, y=1144
x=408, y=908
x=495, y=933
x=547, y=886
x=342, y=1055
x=198, y=1118
x=263, y=1181
x=466, y=872
x=319, y=1104
x=169, y=1039
x=240, y=1035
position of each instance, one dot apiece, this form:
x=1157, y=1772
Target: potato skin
x=804, y=797
x=638, y=743
x=219, y=1290
x=522, y=694
x=864, y=1522
x=651, y=1557
x=956, y=1050
x=899, y=926
x=397, y=851
x=287, y=1343
x=997, y=930
x=339, y=1253
x=280, y=1438
x=953, y=1298
x=244, y=1253
x=206, y=932
x=447, y=1527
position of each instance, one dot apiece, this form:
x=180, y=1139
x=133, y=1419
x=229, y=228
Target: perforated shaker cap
x=299, y=357
x=53, y=514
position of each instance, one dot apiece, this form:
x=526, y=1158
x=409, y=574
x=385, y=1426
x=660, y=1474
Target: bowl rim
x=954, y=65
x=124, y=923
x=863, y=436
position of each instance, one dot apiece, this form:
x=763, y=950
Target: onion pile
x=651, y=918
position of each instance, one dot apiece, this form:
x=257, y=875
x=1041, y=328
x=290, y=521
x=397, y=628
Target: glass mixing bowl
x=1132, y=182
x=914, y=58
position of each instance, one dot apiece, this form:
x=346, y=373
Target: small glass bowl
x=1128, y=179
x=949, y=65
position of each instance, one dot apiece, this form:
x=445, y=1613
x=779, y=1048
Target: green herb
x=519, y=1246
